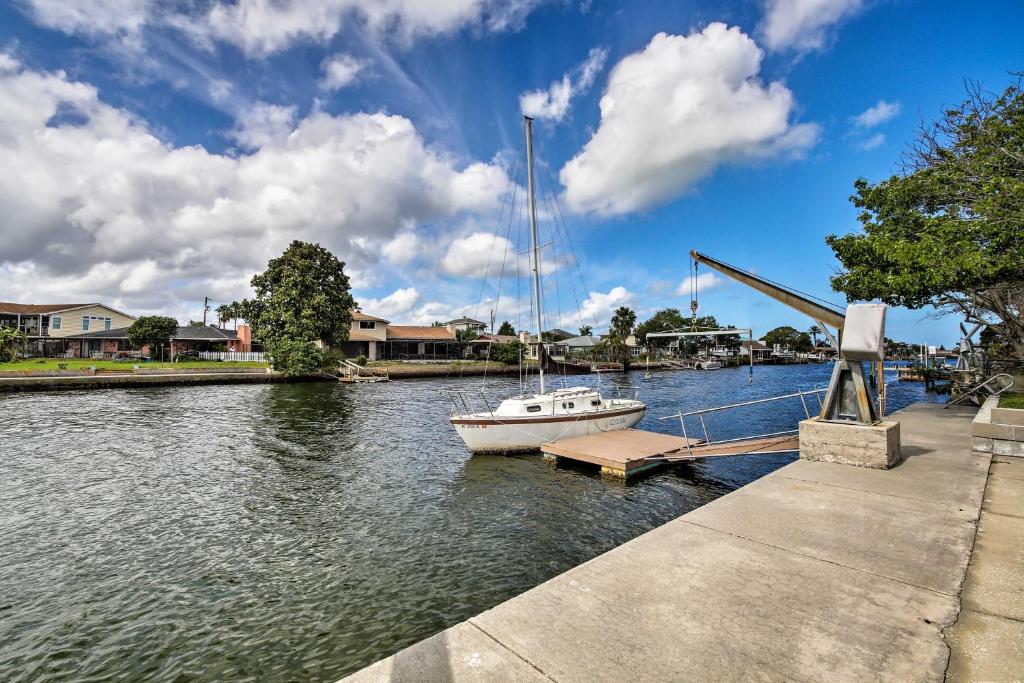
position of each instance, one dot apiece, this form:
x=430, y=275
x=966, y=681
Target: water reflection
x=287, y=532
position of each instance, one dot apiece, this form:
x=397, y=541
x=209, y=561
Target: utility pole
x=206, y=308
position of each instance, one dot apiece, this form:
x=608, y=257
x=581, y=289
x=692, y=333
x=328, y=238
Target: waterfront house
x=50, y=326
x=366, y=337
x=759, y=350
x=190, y=338
x=379, y=339
x=466, y=325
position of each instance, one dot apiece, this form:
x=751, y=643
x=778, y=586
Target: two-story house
x=378, y=339
x=48, y=326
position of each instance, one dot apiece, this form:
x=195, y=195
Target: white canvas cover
x=864, y=332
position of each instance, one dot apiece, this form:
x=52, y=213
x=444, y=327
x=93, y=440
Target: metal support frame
x=849, y=399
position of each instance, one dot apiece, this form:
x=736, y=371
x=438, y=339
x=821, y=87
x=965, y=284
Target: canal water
x=300, y=532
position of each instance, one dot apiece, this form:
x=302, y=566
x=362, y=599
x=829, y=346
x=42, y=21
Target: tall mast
x=535, y=245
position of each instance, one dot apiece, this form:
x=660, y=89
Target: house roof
x=356, y=335
x=496, y=338
x=465, y=321
x=194, y=333
x=204, y=333
x=419, y=332
x=31, y=309
x=756, y=345
x=580, y=342
x=359, y=315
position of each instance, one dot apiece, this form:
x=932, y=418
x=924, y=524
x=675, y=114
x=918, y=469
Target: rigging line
x=555, y=259
x=572, y=246
x=501, y=277
x=508, y=190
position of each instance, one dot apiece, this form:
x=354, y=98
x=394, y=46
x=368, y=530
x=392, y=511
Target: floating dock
x=627, y=452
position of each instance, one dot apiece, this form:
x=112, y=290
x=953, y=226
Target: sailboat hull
x=483, y=434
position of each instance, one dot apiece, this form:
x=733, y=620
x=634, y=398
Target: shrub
x=295, y=357
x=510, y=353
x=361, y=360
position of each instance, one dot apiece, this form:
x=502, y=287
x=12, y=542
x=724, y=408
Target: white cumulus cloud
x=393, y=306
x=673, y=112
x=877, y=114
x=598, y=307
x=554, y=102
x=403, y=249
x=266, y=27
x=340, y=70
x=702, y=283
x=94, y=202
x=803, y=25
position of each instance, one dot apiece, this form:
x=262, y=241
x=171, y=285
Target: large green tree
x=948, y=231
x=302, y=302
x=788, y=337
x=506, y=329
x=154, y=331
x=665, y=320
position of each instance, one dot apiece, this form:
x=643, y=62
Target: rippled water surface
x=299, y=532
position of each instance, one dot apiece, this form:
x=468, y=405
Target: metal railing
x=984, y=386
x=802, y=395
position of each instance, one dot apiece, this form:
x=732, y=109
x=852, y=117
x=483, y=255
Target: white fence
x=240, y=356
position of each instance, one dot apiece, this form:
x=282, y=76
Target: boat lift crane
x=848, y=399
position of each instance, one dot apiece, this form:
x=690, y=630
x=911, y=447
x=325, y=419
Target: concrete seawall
x=817, y=571
x=148, y=379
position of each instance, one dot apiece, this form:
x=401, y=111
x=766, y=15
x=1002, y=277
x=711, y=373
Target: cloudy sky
x=153, y=153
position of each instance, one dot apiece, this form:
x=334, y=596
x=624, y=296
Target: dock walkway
x=817, y=571
x=625, y=452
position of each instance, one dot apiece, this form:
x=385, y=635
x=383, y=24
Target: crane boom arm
x=822, y=314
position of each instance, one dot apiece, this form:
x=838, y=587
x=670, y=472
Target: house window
x=55, y=322
x=85, y=323
x=367, y=325
x=533, y=409
x=106, y=323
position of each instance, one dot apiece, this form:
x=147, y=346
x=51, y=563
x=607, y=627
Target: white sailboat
x=524, y=423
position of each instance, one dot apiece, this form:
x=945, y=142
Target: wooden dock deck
x=626, y=452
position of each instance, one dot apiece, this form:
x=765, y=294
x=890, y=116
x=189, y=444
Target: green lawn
x=1012, y=401
x=49, y=364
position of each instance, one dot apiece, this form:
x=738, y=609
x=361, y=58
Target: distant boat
x=525, y=423
x=707, y=364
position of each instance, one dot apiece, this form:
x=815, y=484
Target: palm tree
x=622, y=326
x=814, y=331
x=586, y=331
x=224, y=314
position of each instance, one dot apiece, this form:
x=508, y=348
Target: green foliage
x=361, y=360
x=196, y=323
x=506, y=329
x=301, y=298
x=666, y=320
x=788, y=338
x=510, y=353
x=295, y=357
x=586, y=331
x=949, y=231
x=152, y=330
x=12, y=342
x=465, y=335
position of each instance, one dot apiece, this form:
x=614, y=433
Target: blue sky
x=156, y=153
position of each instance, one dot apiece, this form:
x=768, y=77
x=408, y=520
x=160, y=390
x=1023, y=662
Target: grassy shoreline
x=79, y=364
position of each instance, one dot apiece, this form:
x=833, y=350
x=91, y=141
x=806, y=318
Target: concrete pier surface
x=818, y=571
